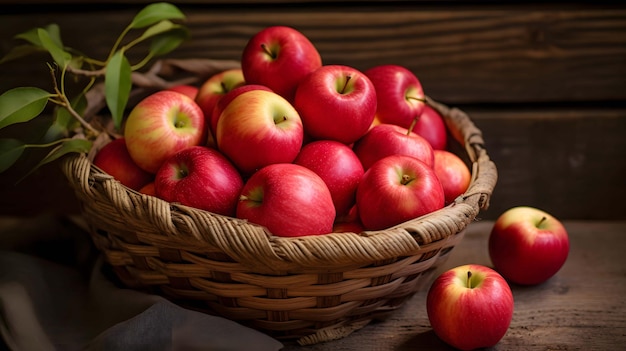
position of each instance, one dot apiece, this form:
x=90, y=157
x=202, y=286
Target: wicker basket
x=312, y=289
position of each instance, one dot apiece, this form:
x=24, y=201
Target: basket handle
x=484, y=171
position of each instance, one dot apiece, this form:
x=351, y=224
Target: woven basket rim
x=315, y=288
x=248, y=242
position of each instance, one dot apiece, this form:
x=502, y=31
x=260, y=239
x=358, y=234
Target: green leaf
x=166, y=36
x=66, y=147
x=117, y=85
x=167, y=42
x=60, y=56
x=161, y=27
x=10, y=152
x=19, y=52
x=32, y=35
x=64, y=122
x=76, y=62
x=54, y=31
x=154, y=13
x=21, y=105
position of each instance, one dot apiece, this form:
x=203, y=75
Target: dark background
x=545, y=82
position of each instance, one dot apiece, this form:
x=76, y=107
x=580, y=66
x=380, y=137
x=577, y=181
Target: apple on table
x=470, y=307
x=160, y=125
x=528, y=245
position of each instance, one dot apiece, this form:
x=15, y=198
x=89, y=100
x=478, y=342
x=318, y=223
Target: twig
x=64, y=102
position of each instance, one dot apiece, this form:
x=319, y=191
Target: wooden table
x=583, y=307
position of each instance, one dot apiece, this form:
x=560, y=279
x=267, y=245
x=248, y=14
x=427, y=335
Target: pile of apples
x=297, y=146
x=304, y=148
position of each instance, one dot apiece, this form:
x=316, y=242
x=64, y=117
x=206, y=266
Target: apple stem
x=280, y=119
x=416, y=99
x=224, y=87
x=406, y=179
x=345, y=84
x=268, y=51
x=413, y=124
x=543, y=219
x=469, y=277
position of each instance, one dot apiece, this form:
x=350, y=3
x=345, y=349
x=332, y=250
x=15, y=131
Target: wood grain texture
x=567, y=161
x=580, y=308
x=544, y=81
x=485, y=53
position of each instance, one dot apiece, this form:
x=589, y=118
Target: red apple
x=389, y=139
x=200, y=177
x=528, y=245
x=375, y=122
x=148, y=189
x=115, y=160
x=279, y=57
x=216, y=87
x=160, y=125
x=470, y=307
x=185, y=89
x=336, y=103
x=430, y=126
x=223, y=101
x=289, y=200
x=338, y=166
x=396, y=189
x=259, y=128
x=352, y=216
x=209, y=140
x=348, y=227
x=399, y=93
x=453, y=174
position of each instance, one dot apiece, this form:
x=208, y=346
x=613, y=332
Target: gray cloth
x=45, y=305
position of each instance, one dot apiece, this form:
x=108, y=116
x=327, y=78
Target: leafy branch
x=70, y=131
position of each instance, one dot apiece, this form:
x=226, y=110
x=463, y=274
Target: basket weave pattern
x=313, y=289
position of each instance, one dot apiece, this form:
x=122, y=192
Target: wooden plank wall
x=545, y=82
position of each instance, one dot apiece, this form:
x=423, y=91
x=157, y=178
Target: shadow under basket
x=309, y=289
